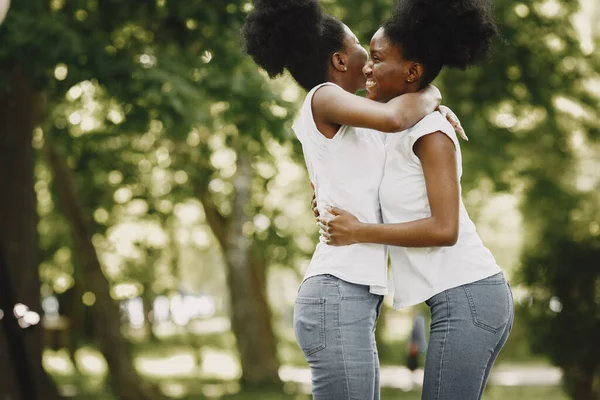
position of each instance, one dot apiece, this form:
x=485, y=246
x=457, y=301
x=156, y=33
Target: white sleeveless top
x=346, y=172
x=420, y=273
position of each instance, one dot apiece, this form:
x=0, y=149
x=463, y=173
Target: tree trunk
x=107, y=327
x=148, y=305
x=20, y=110
x=72, y=308
x=250, y=314
x=251, y=320
x=581, y=383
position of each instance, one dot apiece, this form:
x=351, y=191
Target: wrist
x=358, y=233
x=436, y=96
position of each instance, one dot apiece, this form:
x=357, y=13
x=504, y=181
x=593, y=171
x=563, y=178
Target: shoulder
x=326, y=89
x=434, y=122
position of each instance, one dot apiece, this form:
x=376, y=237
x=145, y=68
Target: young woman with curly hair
x=436, y=253
x=339, y=299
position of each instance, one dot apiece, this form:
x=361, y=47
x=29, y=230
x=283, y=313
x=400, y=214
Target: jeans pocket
x=490, y=305
x=309, y=324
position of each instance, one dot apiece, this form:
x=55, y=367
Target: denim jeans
x=469, y=326
x=334, y=322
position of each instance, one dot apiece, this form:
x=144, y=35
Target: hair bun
x=277, y=32
x=457, y=33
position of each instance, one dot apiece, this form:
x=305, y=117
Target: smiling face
x=386, y=71
x=357, y=57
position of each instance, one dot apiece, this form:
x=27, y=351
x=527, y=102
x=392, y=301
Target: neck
x=413, y=87
x=341, y=80
x=408, y=88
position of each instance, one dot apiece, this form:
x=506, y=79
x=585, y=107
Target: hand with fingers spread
x=340, y=229
x=454, y=121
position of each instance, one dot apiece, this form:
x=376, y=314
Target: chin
x=372, y=96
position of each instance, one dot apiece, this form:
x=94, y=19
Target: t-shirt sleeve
x=311, y=132
x=434, y=122
x=315, y=146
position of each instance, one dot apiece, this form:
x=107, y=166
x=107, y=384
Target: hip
x=487, y=303
x=334, y=289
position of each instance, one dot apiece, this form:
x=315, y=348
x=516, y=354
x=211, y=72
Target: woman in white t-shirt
x=436, y=253
x=340, y=296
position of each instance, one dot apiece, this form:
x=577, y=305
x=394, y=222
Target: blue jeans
x=334, y=322
x=469, y=326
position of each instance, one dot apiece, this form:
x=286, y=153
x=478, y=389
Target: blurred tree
x=107, y=324
x=152, y=103
x=21, y=108
x=157, y=67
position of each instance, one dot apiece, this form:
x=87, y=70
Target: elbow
x=397, y=123
x=393, y=123
x=447, y=236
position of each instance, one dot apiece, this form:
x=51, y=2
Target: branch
x=217, y=221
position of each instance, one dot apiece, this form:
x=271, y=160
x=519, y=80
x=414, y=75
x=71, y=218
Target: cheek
x=360, y=59
x=390, y=75
x=379, y=72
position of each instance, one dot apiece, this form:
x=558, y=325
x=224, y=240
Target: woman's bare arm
x=438, y=159
x=336, y=106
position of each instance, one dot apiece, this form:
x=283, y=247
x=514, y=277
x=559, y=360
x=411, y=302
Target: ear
x=339, y=61
x=414, y=73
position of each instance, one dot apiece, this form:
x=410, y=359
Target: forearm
x=426, y=232
x=413, y=107
x=335, y=106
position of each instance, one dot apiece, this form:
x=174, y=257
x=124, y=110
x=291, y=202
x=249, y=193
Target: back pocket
x=309, y=324
x=489, y=303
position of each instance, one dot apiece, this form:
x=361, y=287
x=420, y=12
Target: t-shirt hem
x=373, y=286
x=398, y=304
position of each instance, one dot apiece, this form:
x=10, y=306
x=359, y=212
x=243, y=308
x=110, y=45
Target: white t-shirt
x=346, y=172
x=420, y=273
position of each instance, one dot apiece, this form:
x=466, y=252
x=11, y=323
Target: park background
x=155, y=209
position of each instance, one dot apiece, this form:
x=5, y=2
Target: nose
x=368, y=68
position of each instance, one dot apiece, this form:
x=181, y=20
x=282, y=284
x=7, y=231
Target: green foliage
x=564, y=311
x=151, y=101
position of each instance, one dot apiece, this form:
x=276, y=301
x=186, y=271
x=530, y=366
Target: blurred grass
x=194, y=385
x=195, y=390
x=184, y=357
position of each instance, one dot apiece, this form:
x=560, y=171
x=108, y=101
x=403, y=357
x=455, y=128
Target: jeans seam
x=377, y=312
x=482, y=388
x=346, y=383
x=498, y=343
x=511, y=306
x=356, y=298
x=439, y=386
x=494, y=282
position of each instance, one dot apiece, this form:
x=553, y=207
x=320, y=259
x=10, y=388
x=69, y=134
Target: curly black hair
x=295, y=35
x=456, y=33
